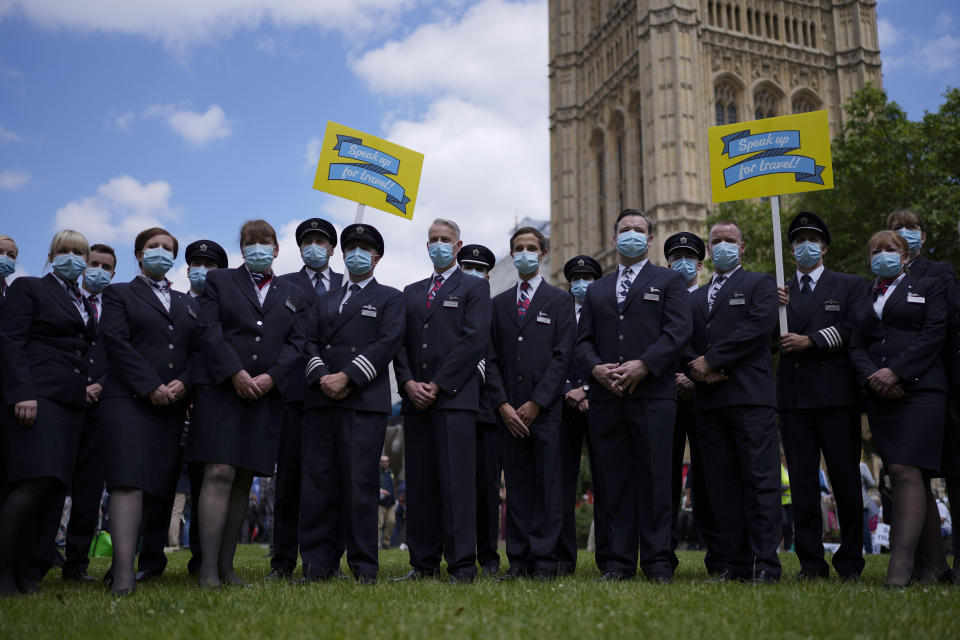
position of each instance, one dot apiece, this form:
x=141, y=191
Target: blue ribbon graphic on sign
x=373, y=171
x=771, y=155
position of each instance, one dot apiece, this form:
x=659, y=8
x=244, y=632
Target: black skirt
x=226, y=429
x=48, y=448
x=142, y=444
x=909, y=431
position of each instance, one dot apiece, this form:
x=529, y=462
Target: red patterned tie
x=437, y=282
x=523, y=302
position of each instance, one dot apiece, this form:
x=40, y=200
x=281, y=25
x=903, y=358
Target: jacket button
x=170, y=326
x=76, y=370
x=328, y=346
x=708, y=325
x=259, y=323
x=91, y=360
x=170, y=365
x=519, y=338
x=89, y=379
x=519, y=358
x=93, y=343
x=519, y=378
x=620, y=337
x=621, y=317
x=424, y=345
x=254, y=356
x=423, y=366
x=884, y=341
x=883, y=359
x=256, y=339
x=426, y=326
x=796, y=365
x=353, y=349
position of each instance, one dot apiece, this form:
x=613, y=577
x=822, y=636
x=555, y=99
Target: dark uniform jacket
x=576, y=377
x=445, y=343
x=822, y=376
x=735, y=338
x=907, y=339
x=297, y=387
x=238, y=334
x=43, y=343
x=653, y=325
x=531, y=356
x=146, y=345
x=923, y=268
x=361, y=341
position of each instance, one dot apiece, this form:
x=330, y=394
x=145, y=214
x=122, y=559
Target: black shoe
x=490, y=570
x=148, y=575
x=660, y=578
x=278, y=574
x=461, y=578
x=613, y=576
x=108, y=577
x=80, y=576
x=809, y=574
x=414, y=575
x=849, y=577
x=366, y=579
x=514, y=573
x=544, y=575
x=726, y=576
x=765, y=577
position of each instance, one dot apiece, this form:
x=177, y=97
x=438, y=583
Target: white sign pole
x=359, y=218
x=778, y=256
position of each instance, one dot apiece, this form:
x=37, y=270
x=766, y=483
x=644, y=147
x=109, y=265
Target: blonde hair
x=885, y=236
x=12, y=241
x=68, y=239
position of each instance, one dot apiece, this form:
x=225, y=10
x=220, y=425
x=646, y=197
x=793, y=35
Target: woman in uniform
x=45, y=331
x=895, y=349
x=251, y=336
x=148, y=334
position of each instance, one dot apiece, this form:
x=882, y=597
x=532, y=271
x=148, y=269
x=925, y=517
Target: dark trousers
x=488, y=496
x=742, y=465
x=286, y=505
x=531, y=468
x=85, y=492
x=633, y=442
x=951, y=468
x=195, y=472
x=156, y=523
x=704, y=519
x=834, y=431
x=573, y=432
x=441, y=459
x=339, y=490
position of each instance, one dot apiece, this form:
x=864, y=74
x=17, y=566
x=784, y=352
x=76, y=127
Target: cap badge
x=314, y=224
x=803, y=220
x=361, y=230
x=683, y=239
x=203, y=247
x=476, y=252
x=580, y=262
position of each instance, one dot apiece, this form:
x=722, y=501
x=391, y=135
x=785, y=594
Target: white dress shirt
x=882, y=298
x=534, y=283
x=79, y=305
x=362, y=284
x=814, y=278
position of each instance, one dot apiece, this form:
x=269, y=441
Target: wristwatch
x=586, y=387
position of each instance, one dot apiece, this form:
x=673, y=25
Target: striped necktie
x=437, y=283
x=714, y=290
x=626, y=279
x=523, y=301
x=93, y=305
x=352, y=291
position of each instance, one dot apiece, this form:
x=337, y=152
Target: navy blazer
x=445, y=343
x=97, y=354
x=821, y=376
x=43, y=343
x=576, y=377
x=146, y=345
x=922, y=267
x=530, y=357
x=652, y=325
x=297, y=387
x=907, y=339
x=361, y=341
x=735, y=338
x=236, y=333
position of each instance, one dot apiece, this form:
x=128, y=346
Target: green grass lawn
x=569, y=608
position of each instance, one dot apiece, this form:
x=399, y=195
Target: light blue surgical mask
x=258, y=257
x=526, y=262
x=474, y=272
x=7, y=266
x=579, y=289
x=68, y=266
x=807, y=253
x=314, y=256
x=198, y=278
x=359, y=261
x=886, y=264
x=441, y=253
x=914, y=238
x=686, y=267
x=726, y=255
x=631, y=243
x=96, y=279
x=157, y=261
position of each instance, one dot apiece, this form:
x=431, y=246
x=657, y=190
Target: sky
x=117, y=115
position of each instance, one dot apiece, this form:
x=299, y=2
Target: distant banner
x=769, y=165
x=385, y=175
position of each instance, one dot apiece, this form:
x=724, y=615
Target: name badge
x=912, y=297
x=831, y=306
x=291, y=306
x=543, y=319
x=191, y=312
x=652, y=296
x=368, y=312
x=452, y=302
x=736, y=302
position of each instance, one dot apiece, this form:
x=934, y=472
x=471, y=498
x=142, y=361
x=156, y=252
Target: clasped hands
x=421, y=394
x=167, y=394
x=518, y=421
x=886, y=384
x=576, y=398
x=701, y=371
x=620, y=378
x=251, y=388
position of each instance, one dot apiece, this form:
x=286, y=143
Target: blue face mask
x=441, y=253
x=96, y=279
x=579, y=289
x=198, y=278
x=258, y=257
x=726, y=255
x=474, y=272
x=913, y=238
x=314, y=256
x=68, y=266
x=686, y=267
x=631, y=243
x=886, y=264
x=526, y=262
x=157, y=261
x=7, y=266
x=807, y=253
x=359, y=261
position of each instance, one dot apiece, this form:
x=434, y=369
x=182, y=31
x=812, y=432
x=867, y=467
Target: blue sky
x=118, y=114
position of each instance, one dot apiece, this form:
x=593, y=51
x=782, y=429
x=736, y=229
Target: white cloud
x=944, y=22
x=120, y=209
x=6, y=135
x=311, y=154
x=265, y=45
x=193, y=126
x=888, y=34
x=124, y=120
x=940, y=54
x=13, y=180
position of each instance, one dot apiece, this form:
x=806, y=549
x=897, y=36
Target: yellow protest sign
x=369, y=170
x=769, y=157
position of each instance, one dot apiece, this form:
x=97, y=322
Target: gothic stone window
x=804, y=104
x=725, y=97
x=764, y=104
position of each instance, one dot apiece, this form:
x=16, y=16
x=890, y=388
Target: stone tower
x=634, y=85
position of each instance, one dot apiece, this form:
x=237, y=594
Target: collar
x=363, y=283
x=725, y=275
x=637, y=268
x=693, y=288
x=895, y=281
x=814, y=275
x=446, y=273
x=63, y=283
x=193, y=294
x=88, y=295
x=313, y=273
